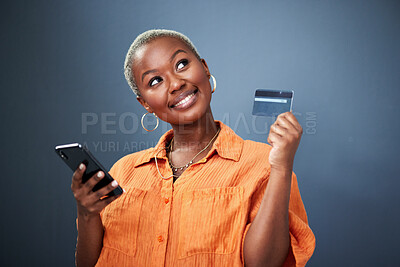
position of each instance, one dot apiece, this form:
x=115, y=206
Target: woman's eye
x=181, y=64
x=154, y=81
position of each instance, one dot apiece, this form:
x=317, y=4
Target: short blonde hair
x=146, y=38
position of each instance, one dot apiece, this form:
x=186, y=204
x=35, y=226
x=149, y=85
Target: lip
x=183, y=96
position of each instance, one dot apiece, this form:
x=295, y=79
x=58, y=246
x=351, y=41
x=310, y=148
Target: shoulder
x=255, y=150
x=129, y=161
x=258, y=147
x=252, y=166
x=246, y=152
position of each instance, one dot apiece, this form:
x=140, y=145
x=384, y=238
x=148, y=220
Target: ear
x=205, y=67
x=144, y=104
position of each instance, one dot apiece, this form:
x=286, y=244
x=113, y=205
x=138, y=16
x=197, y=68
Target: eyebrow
x=176, y=52
x=170, y=60
x=147, y=72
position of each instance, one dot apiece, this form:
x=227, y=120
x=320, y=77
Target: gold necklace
x=155, y=159
x=174, y=168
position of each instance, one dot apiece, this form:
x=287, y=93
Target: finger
x=273, y=138
x=77, y=176
x=293, y=120
x=101, y=204
x=274, y=129
x=280, y=130
x=288, y=125
x=97, y=195
x=88, y=186
x=284, y=122
x=270, y=141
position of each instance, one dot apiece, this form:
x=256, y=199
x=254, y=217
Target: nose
x=176, y=83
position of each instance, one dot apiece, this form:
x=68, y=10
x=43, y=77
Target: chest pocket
x=210, y=221
x=121, y=221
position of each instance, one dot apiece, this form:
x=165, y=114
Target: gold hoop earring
x=214, y=82
x=144, y=115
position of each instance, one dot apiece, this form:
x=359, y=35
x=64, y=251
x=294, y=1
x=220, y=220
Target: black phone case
x=75, y=154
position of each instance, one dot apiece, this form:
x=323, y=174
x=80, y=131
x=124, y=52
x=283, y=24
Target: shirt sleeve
x=302, y=239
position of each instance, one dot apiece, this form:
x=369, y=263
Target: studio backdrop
x=62, y=81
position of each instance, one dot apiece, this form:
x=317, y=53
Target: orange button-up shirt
x=202, y=218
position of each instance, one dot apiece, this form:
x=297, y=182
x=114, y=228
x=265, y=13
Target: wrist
x=86, y=216
x=282, y=170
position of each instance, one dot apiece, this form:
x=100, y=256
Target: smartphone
x=75, y=154
x=271, y=103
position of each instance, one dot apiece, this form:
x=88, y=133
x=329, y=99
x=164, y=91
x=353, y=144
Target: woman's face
x=172, y=82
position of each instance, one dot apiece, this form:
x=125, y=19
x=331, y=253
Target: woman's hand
x=284, y=137
x=89, y=205
x=88, y=202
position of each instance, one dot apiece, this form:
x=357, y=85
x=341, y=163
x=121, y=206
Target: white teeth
x=186, y=99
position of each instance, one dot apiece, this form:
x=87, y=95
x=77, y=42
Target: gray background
x=62, y=63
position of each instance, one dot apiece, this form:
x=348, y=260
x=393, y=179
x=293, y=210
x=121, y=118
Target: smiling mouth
x=185, y=100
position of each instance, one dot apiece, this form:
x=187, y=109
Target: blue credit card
x=271, y=103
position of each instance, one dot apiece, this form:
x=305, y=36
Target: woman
x=202, y=196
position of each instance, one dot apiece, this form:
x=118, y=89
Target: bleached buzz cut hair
x=146, y=38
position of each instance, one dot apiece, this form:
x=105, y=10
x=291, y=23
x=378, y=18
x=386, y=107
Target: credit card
x=271, y=103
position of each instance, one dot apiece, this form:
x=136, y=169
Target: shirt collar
x=228, y=145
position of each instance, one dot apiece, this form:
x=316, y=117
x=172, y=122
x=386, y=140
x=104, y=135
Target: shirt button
x=160, y=238
x=166, y=200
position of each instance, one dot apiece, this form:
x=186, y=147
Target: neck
x=194, y=136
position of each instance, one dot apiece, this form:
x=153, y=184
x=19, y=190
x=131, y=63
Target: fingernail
x=99, y=174
x=81, y=166
x=114, y=183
